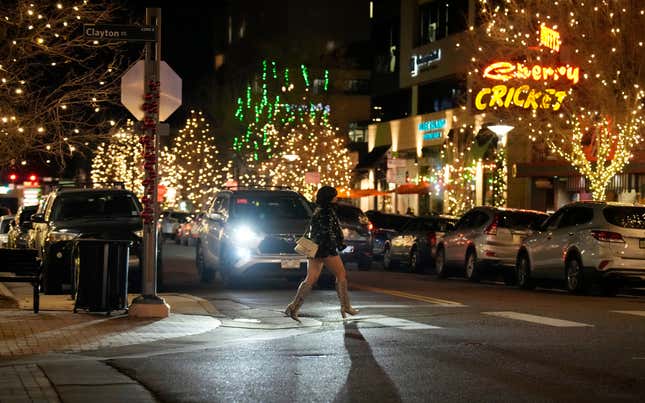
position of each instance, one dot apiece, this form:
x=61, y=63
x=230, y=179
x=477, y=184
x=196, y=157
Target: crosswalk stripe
x=416, y=297
x=389, y=321
x=637, y=313
x=543, y=320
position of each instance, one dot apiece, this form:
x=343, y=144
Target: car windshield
x=520, y=219
x=95, y=205
x=390, y=221
x=5, y=225
x=269, y=207
x=625, y=216
x=351, y=215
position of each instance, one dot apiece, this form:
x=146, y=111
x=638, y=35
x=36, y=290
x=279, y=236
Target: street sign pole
x=149, y=304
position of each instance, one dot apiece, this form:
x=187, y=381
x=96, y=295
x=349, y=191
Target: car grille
x=278, y=244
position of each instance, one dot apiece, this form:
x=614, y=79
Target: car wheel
x=574, y=277
x=470, y=267
x=206, y=274
x=440, y=263
x=414, y=260
x=364, y=263
x=388, y=264
x=524, y=279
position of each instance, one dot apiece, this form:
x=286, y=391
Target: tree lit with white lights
x=54, y=84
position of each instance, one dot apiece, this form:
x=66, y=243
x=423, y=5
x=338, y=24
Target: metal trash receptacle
x=101, y=275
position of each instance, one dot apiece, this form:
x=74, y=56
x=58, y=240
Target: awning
x=372, y=158
x=413, y=188
x=345, y=193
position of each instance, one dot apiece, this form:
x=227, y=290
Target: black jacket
x=325, y=231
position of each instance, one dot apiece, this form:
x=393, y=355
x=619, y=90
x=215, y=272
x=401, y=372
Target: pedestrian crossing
x=543, y=320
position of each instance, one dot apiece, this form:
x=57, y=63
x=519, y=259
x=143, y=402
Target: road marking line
x=401, y=323
x=416, y=297
x=637, y=313
x=543, y=320
x=638, y=358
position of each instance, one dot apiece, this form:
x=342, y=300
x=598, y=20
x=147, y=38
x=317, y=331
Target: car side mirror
x=38, y=218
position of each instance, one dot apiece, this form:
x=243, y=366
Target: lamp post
x=500, y=192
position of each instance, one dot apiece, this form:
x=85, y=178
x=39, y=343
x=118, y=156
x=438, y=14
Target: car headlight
x=139, y=233
x=61, y=236
x=244, y=235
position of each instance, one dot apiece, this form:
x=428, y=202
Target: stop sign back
x=132, y=90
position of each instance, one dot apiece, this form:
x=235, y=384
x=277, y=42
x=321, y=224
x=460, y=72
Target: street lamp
x=501, y=130
x=500, y=182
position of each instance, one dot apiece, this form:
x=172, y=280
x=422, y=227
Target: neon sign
x=432, y=125
x=434, y=135
x=504, y=71
x=523, y=96
x=550, y=38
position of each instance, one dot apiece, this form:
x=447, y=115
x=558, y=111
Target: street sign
x=312, y=177
x=132, y=90
x=120, y=32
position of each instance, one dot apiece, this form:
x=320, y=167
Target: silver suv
x=485, y=239
x=585, y=242
x=252, y=232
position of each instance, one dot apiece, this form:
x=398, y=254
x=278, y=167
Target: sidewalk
x=57, y=330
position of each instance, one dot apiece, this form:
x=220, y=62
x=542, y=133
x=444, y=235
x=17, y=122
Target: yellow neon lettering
x=573, y=74
x=516, y=99
x=509, y=97
x=500, y=71
x=531, y=99
x=559, y=95
x=536, y=72
x=498, y=95
x=478, y=99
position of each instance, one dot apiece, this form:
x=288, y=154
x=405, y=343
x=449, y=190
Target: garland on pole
x=150, y=107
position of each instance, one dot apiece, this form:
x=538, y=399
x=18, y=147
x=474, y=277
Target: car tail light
x=603, y=264
x=370, y=226
x=432, y=238
x=607, y=236
x=492, y=227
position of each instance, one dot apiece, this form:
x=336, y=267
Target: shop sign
x=523, y=96
x=550, y=38
x=504, y=71
x=312, y=177
x=435, y=135
x=432, y=125
x=422, y=62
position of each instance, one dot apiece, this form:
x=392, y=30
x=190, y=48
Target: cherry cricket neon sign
x=524, y=96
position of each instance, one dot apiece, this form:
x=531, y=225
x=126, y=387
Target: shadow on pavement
x=366, y=380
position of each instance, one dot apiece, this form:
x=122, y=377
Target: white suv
x=586, y=242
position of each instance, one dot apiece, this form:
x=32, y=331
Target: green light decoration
x=305, y=75
x=326, y=85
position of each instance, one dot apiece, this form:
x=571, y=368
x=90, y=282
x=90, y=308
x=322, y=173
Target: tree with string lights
x=311, y=145
x=568, y=73
x=54, y=84
x=120, y=159
x=199, y=164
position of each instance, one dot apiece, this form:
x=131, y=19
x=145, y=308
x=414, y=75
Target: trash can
x=101, y=275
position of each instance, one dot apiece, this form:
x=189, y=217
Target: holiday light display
x=120, y=160
x=600, y=64
x=54, y=85
x=287, y=134
x=199, y=165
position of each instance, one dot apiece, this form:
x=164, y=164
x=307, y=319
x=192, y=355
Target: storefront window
x=438, y=19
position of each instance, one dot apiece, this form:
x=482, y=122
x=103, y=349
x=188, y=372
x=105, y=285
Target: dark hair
x=325, y=195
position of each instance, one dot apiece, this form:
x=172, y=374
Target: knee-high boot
x=294, y=306
x=343, y=296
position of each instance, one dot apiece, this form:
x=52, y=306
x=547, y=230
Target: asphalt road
x=416, y=338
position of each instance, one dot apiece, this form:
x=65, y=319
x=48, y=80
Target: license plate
x=641, y=243
x=290, y=264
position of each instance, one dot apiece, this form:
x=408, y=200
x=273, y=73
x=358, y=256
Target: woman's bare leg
x=335, y=264
x=314, y=267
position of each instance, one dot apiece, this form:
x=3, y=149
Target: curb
x=6, y=293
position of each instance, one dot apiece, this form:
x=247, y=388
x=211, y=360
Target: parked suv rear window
x=626, y=217
x=350, y=214
x=520, y=219
x=93, y=205
x=269, y=206
x=389, y=221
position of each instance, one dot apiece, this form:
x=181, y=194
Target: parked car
x=416, y=243
x=170, y=222
x=384, y=227
x=356, y=230
x=585, y=243
x=75, y=213
x=5, y=226
x=18, y=236
x=486, y=239
x=195, y=228
x=185, y=234
x=252, y=232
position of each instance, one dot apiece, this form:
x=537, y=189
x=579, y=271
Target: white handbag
x=306, y=246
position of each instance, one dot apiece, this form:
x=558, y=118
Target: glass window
x=520, y=220
x=552, y=222
x=466, y=220
x=626, y=217
x=94, y=205
x=351, y=214
x=441, y=18
x=269, y=207
x=576, y=216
